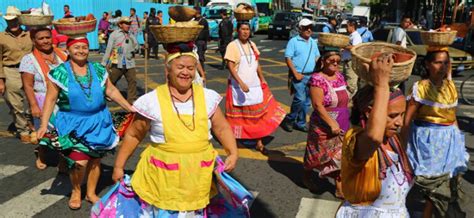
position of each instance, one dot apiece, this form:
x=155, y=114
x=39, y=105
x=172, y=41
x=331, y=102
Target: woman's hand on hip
x=118, y=174
x=230, y=162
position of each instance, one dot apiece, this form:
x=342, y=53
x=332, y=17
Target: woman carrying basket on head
x=436, y=146
x=249, y=103
x=85, y=131
x=175, y=173
x=35, y=67
x=375, y=172
x=329, y=120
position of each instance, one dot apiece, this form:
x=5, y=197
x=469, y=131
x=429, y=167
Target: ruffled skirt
x=254, y=121
x=434, y=150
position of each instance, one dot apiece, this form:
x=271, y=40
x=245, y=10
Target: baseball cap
x=305, y=22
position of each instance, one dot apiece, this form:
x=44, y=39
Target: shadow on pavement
x=293, y=169
x=260, y=209
x=466, y=124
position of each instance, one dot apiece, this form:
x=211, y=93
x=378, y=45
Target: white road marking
x=37, y=199
x=281, y=51
x=8, y=170
x=267, y=50
x=310, y=208
x=266, y=40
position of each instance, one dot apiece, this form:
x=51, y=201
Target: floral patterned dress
x=323, y=149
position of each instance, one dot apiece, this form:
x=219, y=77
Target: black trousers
x=201, y=50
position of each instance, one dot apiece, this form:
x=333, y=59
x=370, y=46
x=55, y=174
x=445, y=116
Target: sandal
x=261, y=149
x=90, y=201
x=75, y=204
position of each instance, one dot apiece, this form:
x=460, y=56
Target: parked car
x=283, y=23
x=460, y=60
x=341, y=29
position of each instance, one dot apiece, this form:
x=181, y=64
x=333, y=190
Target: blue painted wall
x=84, y=7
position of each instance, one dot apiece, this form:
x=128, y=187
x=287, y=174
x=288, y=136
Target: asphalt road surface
x=275, y=179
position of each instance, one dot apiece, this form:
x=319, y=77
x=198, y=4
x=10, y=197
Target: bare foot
x=40, y=165
x=339, y=193
x=261, y=147
x=75, y=200
x=92, y=198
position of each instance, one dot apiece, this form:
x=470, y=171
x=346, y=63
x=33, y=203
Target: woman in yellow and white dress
x=174, y=174
x=436, y=146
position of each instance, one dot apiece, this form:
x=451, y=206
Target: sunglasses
x=307, y=27
x=334, y=61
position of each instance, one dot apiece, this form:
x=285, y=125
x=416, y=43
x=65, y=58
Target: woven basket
x=333, y=40
x=35, y=20
x=244, y=16
x=75, y=28
x=361, y=59
x=438, y=38
x=172, y=34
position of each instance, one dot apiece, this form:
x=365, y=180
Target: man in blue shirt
x=331, y=26
x=364, y=31
x=301, y=55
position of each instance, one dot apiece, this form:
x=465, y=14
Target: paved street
x=275, y=179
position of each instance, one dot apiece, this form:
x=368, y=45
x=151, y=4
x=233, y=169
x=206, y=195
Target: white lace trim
x=58, y=83
x=415, y=96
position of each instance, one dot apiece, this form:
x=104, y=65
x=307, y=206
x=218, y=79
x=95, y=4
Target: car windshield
x=214, y=13
x=264, y=8
x=415, y=37
x=284, y=16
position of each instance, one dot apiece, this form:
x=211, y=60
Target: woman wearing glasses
x=330, y=118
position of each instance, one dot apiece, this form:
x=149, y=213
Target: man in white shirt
x=349, y=74
x=399, y=36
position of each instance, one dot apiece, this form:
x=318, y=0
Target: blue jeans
x=301, y=102
x=102, y=47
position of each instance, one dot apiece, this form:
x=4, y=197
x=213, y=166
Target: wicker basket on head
x=172, y=34
x=72, y=29
x=333, y=40
x=438, y=38
x=361, y=59
x=244, y=16
x=35, y=20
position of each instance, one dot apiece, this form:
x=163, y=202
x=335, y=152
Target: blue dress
x=83, y=121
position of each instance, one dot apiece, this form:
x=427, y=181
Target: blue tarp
x=84, y=7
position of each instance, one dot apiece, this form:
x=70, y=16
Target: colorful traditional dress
x=323, y=149
x=34, y=64
x=83, y=123
x=436, y=146
x=378, y=186
x=175, y=173
x=248, y=112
